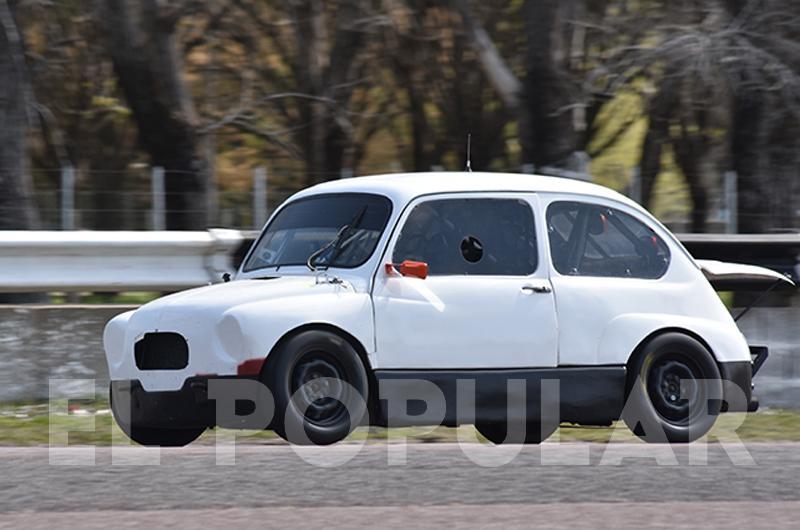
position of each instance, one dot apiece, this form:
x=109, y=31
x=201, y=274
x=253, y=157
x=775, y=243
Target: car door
x=487, y=301
x=606, y=263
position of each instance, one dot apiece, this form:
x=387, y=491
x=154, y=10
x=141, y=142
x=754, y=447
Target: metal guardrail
x=169, y=261
x=114, y=261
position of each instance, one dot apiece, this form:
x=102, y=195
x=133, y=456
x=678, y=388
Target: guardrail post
x=158, y=214
x=68, y=198
x=731, y=202
x=259, y=197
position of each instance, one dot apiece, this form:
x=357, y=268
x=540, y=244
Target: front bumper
x=188, y=407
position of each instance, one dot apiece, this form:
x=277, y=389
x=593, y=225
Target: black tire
x=153, y=436
x=326, y=357
x=496, y=432
x=655, y=410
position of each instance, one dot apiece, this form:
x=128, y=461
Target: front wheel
x=674, y=390
x=320, y=388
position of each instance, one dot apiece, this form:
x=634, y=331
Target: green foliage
x=91, y=423
x=124, y=298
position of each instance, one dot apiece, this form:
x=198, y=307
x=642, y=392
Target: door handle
x=541, y=289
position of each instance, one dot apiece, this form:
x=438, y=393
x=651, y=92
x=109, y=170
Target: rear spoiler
x=724, y=276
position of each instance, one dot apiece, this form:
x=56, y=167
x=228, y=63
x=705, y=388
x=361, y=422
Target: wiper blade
x=337, y=241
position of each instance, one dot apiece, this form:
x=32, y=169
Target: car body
x=440, y=278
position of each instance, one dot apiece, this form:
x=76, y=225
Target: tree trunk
x=420, y=129
x=329, y=42
x=650, y=162
x=690, y=149
x=548, y=94
x=542, y=102
x=747, y=155
x=17, y=210
x=141, y=43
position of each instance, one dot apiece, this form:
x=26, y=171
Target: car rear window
x=594, y=240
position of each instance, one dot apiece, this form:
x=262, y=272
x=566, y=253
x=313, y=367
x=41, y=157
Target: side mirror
x=417, y=269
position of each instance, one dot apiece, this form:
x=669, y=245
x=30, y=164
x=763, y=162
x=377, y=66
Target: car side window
x=470, y=236
x=593, y=240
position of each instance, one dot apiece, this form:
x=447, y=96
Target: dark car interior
x=591, y=240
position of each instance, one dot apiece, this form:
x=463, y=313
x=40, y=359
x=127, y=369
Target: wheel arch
x=625, y=335
x=639, y=350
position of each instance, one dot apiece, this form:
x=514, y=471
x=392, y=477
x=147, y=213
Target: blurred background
x=186, y=114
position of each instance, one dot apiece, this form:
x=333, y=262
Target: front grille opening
x=161, y=351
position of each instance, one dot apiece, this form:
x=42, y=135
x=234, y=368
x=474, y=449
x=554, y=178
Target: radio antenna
x=469, y=153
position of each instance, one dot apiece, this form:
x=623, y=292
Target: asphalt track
x=570, y=485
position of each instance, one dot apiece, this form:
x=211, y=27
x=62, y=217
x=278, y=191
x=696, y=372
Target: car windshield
x=305, y=226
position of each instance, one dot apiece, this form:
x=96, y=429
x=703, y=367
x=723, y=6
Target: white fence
x=114, y=261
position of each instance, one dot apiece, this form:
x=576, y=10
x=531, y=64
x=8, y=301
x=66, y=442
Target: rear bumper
x=741, y=375
x=737, y=376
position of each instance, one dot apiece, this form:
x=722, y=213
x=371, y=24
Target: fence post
x=259, y=197
x=68, y=198
x=158, y=219
x=732, y=202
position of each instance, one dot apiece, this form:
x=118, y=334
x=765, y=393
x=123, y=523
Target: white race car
x=513, y=302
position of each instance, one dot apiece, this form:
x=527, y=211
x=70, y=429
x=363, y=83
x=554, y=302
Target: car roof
x=404, y=187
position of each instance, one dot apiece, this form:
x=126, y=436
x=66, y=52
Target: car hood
x=214, y=300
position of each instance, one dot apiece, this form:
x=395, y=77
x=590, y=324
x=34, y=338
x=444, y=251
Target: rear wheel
x=320, y=388
x=497, y=432
x=674, y=390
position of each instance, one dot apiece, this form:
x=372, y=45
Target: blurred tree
x=17, y=210
x=763, y=65
x=447, y=95
x=83, y=121
x=17, y=207
x=321, y=87
x=721, y=84
x=544, y=92
x=141, y=40
x=306, y=80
